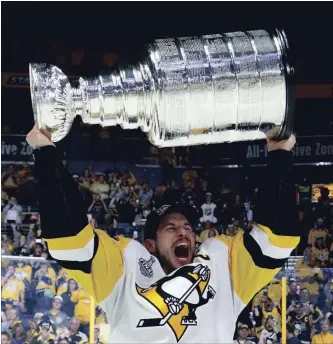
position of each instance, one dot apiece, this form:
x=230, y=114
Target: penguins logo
x=177, y=298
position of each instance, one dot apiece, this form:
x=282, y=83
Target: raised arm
x=259, y=254
x=88, y=255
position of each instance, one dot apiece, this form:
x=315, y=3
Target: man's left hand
x=273, y=144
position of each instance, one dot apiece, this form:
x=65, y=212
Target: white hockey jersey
x=198, y=303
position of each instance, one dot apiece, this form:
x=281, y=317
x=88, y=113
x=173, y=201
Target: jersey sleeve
x=92, y=258
x=255, y=257
x=89, y=256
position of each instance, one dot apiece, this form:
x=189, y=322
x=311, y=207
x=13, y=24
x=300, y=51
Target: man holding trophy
x=166, y=291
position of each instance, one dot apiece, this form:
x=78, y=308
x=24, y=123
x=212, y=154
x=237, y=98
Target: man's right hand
x=39, y=138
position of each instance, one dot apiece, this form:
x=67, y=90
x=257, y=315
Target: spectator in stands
x=208, y=209
x=238, y=209
x=291, y=338
x=68, y=305
x=7, y=246
x=243, y=333
x=33, y=327
x=6, y=338
x=18, y=333
x=271, y=310
x=21, y=244
x=96, y=335
x=320, y=251
x=231, y=230
x=237, y=226
x=318, y=232
x=8, y=181
x=12, y=212
x=76, y=337
x=324, y=337
x=145, y=195
x=12, y=287
x=271, y=333
x=100, y=187
x=82, y=309
x=202, y=191
x=323, y=208
x=12, y=316
x=116, y=192
x=45, y=334
x=98, y=209
x=45, y=287
x=55, y=315
x=189, y=174
x=126, y=216
x=37, y=249
x=311, y=276
x=128, y=177
x=62, y=334
x=292, y=296
x=224, y=213
x=189, y=194
x=298, y=318
x=206, y=233
x=172, y=193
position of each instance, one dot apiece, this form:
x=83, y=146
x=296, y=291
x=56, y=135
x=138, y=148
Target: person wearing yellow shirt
x=320, y=251
x=45, y=288
x=12, y=287
x=62, y=282
x=23, y=271
x=82, y=308
x=275, y=290
x=207, y=233
x=271, y=310
x=311, y=276
x=318, y=232
x=324, y=337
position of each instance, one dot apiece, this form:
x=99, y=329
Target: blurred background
x=122, y=177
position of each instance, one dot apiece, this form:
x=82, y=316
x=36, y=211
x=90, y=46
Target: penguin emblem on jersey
x=177, y=298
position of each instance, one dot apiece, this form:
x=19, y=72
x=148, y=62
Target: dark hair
x=72, y=279
x=14, y=329
x=7, y=335
x=290, y=328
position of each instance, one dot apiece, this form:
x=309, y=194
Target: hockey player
x=164, y=291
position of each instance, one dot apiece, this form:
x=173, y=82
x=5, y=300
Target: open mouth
x=182, y=251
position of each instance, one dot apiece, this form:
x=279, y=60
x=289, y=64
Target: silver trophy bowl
x=188, y=91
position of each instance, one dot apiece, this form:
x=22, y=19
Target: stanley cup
x=188, y=91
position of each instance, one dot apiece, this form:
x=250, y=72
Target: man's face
x=74, y=326
x=298, y=311
x=269, y=325
x=243, y=333
x=175, y=242
x=5, y=339
x=325, y=327
x=269, y=306
x=293, y=287
x=57, y=304
x=11, y=314
x=38, y=250
x=10, y=270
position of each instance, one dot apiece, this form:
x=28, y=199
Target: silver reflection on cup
x=188, y=91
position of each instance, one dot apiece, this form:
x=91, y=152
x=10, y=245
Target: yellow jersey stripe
x=279, y=240
x=73, y=242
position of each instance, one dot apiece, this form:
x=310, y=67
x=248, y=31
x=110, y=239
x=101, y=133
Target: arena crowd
x=42, y=304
